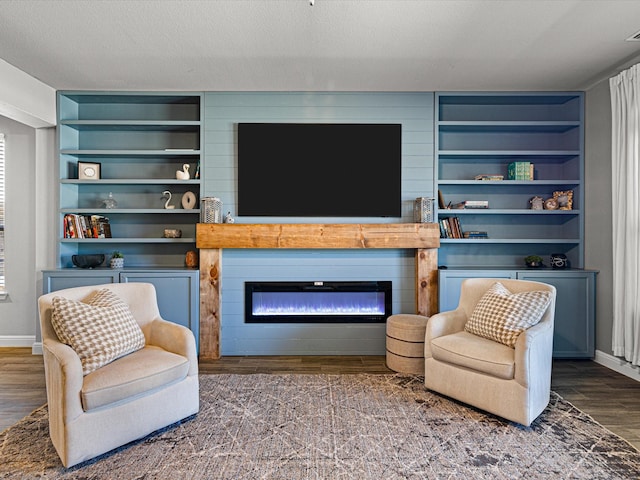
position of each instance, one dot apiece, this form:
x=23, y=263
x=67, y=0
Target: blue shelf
x=132, y=153
x=131, y=211
x=546, y=241
x=509, y=153
x=508, y=183
x=503, y=211
x=132, y=240
x=507, y=127
x=129, y=181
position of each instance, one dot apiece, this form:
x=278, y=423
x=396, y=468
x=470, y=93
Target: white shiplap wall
x=223, y=111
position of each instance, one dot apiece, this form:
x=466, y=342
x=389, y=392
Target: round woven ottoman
x=405, y=343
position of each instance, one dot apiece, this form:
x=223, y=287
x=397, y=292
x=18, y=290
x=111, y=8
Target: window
x=2, y=284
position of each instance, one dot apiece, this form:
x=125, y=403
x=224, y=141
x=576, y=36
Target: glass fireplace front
x=317, y=302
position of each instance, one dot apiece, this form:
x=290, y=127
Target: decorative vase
x=110, y=202
x=191, y=259
x=117, y=262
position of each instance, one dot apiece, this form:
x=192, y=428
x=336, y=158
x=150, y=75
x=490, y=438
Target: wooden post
x=210, y=273
x=427, y=281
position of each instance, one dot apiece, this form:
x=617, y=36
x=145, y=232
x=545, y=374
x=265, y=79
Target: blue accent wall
x=223, y=111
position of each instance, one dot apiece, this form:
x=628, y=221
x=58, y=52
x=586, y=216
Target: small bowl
x=87, y=261
x=172, y=233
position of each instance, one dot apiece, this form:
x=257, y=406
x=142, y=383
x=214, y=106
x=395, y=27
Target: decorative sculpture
x=110, y=202
x=184, y=173
x=188, y=200
x=167, y=194
x=536, y=203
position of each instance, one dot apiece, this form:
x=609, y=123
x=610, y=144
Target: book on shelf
x=86, y=226
x=520, y=171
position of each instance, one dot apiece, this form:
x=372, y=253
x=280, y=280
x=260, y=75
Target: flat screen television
x=319, y=170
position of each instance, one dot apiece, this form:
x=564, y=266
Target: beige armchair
x=128, y=398
x=513, y=383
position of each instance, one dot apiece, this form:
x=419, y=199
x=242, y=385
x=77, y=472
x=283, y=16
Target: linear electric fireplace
x=317, y=302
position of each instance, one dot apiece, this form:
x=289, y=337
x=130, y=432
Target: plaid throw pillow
x=99, y=331
x=501, y=315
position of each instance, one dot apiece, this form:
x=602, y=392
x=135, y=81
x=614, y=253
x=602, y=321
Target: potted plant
x=533, y=260
x=117, y=259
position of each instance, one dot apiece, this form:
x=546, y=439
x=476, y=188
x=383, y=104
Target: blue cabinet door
x=178, y=294
x=54, y=280
x=450, y=281
x=574, y=321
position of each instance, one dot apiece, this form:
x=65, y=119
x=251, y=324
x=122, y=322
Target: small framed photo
x=88, y=171
x=565, y=199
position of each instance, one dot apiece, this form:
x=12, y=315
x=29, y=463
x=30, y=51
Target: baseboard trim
x=36, y=348
x=17, y=340
x=617, y=364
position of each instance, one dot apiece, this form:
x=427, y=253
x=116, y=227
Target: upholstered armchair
x=95, y=408
x=511, y=377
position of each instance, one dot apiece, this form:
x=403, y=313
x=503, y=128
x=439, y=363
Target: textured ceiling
x=335, y=45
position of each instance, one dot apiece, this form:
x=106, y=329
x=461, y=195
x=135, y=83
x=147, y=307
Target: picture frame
x=89, y=170
x=537, y=203
x=565, y=199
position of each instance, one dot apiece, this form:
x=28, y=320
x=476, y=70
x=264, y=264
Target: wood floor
x=609, y=397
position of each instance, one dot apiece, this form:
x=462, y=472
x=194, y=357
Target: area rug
x=337, y=427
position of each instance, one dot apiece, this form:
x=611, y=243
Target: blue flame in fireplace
x=317, y=303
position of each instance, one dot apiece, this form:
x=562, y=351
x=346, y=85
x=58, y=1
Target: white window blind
x=2, y=200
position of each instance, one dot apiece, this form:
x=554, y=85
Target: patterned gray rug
x=337, y=427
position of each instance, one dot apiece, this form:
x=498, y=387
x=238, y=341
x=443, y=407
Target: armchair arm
x=533, y=356
x=176, y=339
x=445, y=323
x=441, y=324
x=64, y=379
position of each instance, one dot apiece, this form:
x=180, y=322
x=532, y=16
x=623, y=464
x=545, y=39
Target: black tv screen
x=319, y=170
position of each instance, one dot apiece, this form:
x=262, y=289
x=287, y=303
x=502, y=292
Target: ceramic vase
x=117, y=262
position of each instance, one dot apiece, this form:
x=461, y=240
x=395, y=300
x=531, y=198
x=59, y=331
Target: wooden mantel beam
x=306, y=235
x=211, y=238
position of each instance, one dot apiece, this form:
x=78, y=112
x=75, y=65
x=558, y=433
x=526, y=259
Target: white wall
x=27, y=109
x=17, y=310
x=25, y=99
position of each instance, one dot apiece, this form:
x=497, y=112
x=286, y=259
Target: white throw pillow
x=501, y=315
x=99, y=331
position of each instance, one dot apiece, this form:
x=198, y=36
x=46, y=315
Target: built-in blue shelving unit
x=480, y=134
x=140, y=140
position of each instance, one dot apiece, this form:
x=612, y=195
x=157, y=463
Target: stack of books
x=86, y=226
x=520, y=171
x=471, y=204
x=476, y=234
